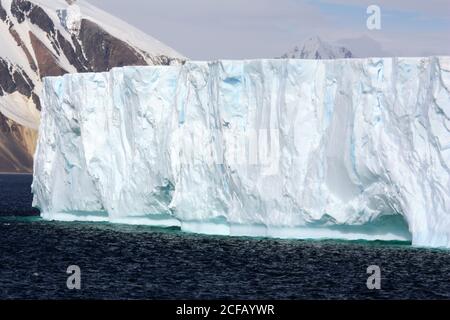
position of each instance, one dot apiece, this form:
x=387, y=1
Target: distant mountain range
x=40, y=38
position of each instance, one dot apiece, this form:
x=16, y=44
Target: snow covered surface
x=27, y=115
x=353, y=149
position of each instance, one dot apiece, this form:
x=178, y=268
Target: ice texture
x=358, y=148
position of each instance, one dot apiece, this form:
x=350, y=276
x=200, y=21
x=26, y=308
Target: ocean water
x=136, y=262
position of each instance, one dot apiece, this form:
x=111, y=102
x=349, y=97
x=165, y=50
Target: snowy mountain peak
x=316, y=48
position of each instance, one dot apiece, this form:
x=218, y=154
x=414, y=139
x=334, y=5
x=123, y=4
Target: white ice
x=358, y=148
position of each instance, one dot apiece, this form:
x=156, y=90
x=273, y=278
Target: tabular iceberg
x=354, y=149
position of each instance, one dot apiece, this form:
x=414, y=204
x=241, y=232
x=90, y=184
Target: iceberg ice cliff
x=354, y=149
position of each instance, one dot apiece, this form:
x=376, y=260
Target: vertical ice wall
x=345, y=148
x=102, y=148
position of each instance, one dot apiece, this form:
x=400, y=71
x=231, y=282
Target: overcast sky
x=237, y=29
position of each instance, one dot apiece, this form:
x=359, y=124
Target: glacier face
x=355, y=149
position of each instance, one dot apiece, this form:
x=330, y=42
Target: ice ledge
x=222, y=228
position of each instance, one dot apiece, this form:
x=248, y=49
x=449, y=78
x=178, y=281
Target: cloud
x=430, y=8
x=364, y=46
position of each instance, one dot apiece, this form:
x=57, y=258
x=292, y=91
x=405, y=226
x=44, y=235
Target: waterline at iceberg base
x=352, y=149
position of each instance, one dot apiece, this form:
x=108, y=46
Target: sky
x=240, y=29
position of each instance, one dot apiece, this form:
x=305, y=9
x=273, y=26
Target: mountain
x=316, y=48
x=41, y=38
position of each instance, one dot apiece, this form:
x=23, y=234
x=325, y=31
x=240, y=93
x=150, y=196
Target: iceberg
x=287, y=148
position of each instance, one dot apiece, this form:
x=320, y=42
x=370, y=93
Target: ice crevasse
x=353, y=149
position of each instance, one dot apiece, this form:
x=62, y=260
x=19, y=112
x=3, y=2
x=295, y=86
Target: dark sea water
x=132, y=262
